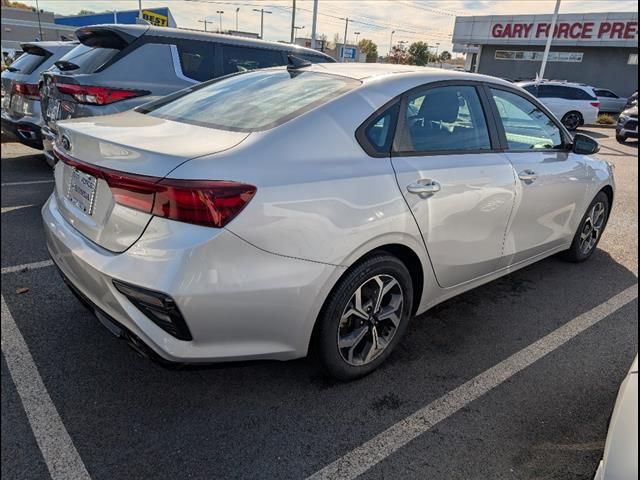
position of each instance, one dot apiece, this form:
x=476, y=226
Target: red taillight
x=29, y=90
x=98, y=95
x=213, y=203
x=595, y=104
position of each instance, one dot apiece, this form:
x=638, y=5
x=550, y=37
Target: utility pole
x=237, y=10
x=262, y=12
x=140, y=9
x=547, y=47
x=220, y=12
x=314, y=22
x=391, y=43
x=205, y=21
x=344, y=45
x=115, y=16
x=293, y=20
x=39, y=24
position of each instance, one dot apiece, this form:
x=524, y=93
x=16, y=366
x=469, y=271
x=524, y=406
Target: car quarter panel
x=320, y=197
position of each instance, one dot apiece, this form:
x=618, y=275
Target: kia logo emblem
x=65, y=142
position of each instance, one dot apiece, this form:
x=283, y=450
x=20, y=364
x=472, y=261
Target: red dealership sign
x=605, y=30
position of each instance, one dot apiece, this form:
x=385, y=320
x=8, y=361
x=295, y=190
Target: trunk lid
x=131, y=143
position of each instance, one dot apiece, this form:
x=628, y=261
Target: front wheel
x=621, y=138
x=572, y=120
x=590, y=230
x=364, y=317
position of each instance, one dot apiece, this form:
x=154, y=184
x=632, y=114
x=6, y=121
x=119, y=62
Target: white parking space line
x=362, y=458
x=32, y=182
x=18, y=207
x=58, y=451
x=27, y=266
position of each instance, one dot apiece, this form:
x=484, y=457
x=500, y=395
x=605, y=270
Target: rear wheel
x=590, y=230
x=364, y=317
x=621, y=138
x=572, y=120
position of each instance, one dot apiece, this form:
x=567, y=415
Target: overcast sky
x=428, y=20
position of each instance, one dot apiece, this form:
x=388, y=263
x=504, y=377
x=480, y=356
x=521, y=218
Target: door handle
x=424, y=186
x=527, y=176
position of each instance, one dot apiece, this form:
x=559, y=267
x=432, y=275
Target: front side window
x=525, y=125
x=252, y=101
x=605, y=94
x=241, y=59
x=443, y=119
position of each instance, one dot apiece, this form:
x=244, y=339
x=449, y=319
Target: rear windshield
x=84, y=59
x=252, y=101
x=27, y=63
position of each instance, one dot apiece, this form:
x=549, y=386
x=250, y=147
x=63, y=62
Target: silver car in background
x=21, y=114
x=118, y=67
x=313, y=206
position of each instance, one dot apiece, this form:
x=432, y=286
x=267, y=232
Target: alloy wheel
x=571, y=121
x=592, y=228
x=370, y=320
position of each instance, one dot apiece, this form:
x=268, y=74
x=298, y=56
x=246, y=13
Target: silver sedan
x=268, y=213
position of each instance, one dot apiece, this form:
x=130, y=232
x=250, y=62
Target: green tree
x=419, y=53
x=85, y=12
x=445, y=56
x=370, y=49
x=398, y=54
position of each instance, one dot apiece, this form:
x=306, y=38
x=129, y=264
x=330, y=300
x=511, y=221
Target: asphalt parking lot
x=514, y=380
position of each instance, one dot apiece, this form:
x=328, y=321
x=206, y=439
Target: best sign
x=603, y=30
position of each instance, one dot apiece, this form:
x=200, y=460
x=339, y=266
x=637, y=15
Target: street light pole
x=344, y=45
x=314, y=22
x=391, y=43
x=262, y=12
x=547, y=46
x=205, y=23
x=293, y=20
x=140, y=9
x=220, y=12
x=357, y=34
x=237, y=10
x=39, y=24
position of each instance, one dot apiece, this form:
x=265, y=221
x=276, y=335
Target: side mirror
x=585, y=145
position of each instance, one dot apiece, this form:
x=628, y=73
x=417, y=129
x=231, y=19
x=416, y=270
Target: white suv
x=574, y=104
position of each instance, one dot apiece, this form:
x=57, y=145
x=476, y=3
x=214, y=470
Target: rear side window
x=253, y=101
x=606, y=94
x=197, y=59
x=241, y=59
x=559, y=91
x=379, y=132
x=27, y=63
x=85, y=59
x=444, y=119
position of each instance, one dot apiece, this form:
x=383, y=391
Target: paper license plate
x=82, y=191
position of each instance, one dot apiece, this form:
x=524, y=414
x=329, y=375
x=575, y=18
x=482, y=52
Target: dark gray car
x=118, y=67
x=21, y=115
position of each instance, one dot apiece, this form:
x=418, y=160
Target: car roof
x=373, y=71
x=560, y=83
x=187, y=34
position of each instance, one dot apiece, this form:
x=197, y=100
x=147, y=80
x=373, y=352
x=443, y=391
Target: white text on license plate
x=82, y=191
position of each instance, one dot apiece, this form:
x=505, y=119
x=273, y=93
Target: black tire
x=577, y=252
x=572, y=120
x=621, y=138
x=331, y=324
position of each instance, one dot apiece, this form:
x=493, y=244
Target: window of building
x=633, y=59
x=571, y=57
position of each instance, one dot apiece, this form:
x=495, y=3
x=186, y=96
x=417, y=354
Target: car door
x=459, y=187
x=609, y=101
x=552, y=181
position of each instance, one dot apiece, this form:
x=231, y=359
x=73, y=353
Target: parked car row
x=114, y=68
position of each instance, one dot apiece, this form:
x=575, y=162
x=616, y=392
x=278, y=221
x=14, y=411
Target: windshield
x=84, y=59
x=252, y=101
x=27, y=63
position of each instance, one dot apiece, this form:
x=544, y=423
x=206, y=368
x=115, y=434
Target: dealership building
x=599, y=49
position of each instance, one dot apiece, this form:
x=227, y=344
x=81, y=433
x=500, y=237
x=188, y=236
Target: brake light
x=28, y=90
x=595, y=104
x=212, y=203
x=98, y=95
